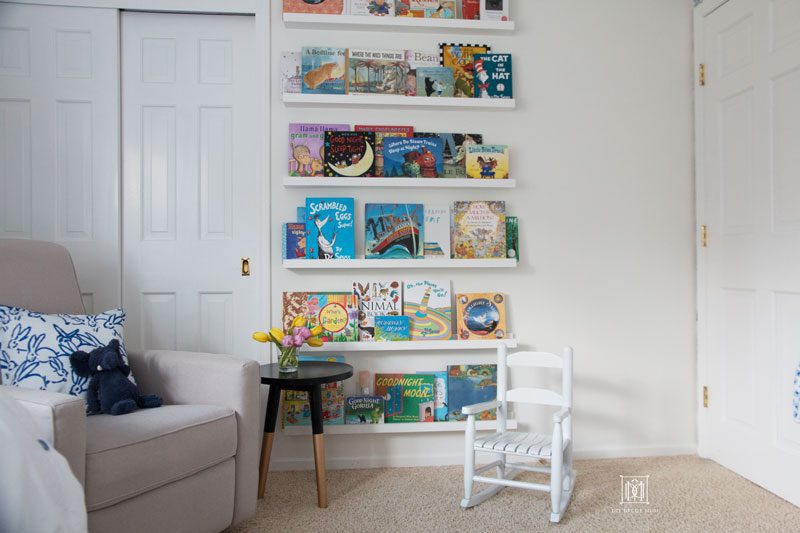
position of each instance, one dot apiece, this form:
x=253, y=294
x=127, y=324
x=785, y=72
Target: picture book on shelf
x=512, y=238
x=363, y=410
x=481, y=316
x=294, y=304
x=307, y=148
x=376, y=71
x=324, y=70
x=454, y=151
x=440, y=402
x=296, y=406
x=471, y=9
x=291, y=71
x=323, y=7
x=382, y=132
x=460, y=58
x=391, y=328
x=294, y=240
x=394, y=231
x=301, y=214
x=479, y=230
x=378, y=8
x=435, y=82
x=429, y=308
x=488, y=161
x=349, y=154
x=407, y=397
x=417, y=59
x=330, y=228
x=493, y=77
x=437, y=231
x=413, y=158
x=376, y=298
x=337, y=313
x=414, y=8
x=471, y=384
x=494, y=9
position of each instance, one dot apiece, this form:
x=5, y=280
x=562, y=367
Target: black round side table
x=310, y=376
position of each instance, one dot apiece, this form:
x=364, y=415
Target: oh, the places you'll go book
x=413, y=158
x=468, y=385
x=363, y=410
x=296, y=406
x=479, y=230
x=349, y=154
x=429, y=308
x=307, y=148
x=487, y=161
x=391, y=328
x=324, y=70
x=394, y=231
x=322, y=7
x=376, y=8
x=376, y=298
x=481, y=316
x=371, y=71
x=437, y=231
x=330, y=228
x=337, y=313
x=493, y=76
x=407, y=397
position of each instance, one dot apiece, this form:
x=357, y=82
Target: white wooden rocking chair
x=557, y=448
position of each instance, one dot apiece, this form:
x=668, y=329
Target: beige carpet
x=686, y=494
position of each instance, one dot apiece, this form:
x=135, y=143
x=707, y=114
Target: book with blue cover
x=471, y=384
x=493, y=76
x=330, y=228
x=294, y=240
x=324, y=70
x=413, y=158
x=391, y=328
x=435, y=82
x=394, y=231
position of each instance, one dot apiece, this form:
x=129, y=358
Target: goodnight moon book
x=350, y=154
x=394, y=231
x=428, y=306
x=407, y=397
x=481, y=316
x=330, y=228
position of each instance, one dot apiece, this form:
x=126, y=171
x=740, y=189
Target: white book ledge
x=411, y=427
x=296, y=182
x=396, y=23
x=409, y=346
x=383, y=100
x=298, y=264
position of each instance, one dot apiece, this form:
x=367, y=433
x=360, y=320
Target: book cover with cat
x=468, y=385
x=429, y=307
x=307, y=148
x=382, y=132
x=363, y=410
x=394, y=231
x=481, y=316
x=330, y=228
x=372, y=71
x=324, y=70
x=479, y=230
x=493, y=76
x=349, y=154
x=407, y=397
x=413, y=158
x=376, y=298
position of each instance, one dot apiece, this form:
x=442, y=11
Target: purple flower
x=302, y=332
x=287, y=341
x=298, y=340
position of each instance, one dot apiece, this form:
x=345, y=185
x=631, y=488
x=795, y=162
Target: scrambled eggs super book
x=407, y=397
x=330, y=228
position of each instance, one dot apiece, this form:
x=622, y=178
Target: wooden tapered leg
x=273, y=401
x=319, y=463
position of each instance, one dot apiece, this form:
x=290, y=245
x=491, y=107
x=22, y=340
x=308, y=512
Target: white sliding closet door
x=59, y=137
x=191, y=202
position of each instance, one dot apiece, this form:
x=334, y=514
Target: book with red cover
x=380, y=133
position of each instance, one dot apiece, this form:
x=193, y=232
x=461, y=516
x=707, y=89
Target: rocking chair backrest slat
x=536, y=359
x=537, y=396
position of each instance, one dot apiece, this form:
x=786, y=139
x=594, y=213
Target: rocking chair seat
x=518, y=443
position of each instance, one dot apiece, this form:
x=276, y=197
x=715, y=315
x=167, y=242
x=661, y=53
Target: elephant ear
x=80, y=363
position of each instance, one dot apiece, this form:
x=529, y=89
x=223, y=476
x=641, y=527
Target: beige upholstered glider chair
x=190, y=465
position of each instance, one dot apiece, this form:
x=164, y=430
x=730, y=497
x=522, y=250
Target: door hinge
x=705, y=395
x=704, y=236
x=701, y=74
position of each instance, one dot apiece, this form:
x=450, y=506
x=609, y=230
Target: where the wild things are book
x=324, y=70
x=330, y=228
x=394, y=231
x=381, y=132
x=479, y=230
x=307, y=148
x=349, y=154
x=413, y=158
x=376, y=71
x=488, y=161
x=481, y=316
x=429, y=308
x=407, y=397
x=337, y=313
x=460, y=58
x=437, y=231
x=471, y=384
x=376, y=298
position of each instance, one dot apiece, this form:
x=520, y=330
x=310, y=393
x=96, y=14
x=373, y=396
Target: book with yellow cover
x=487, y=161
x=481, y=316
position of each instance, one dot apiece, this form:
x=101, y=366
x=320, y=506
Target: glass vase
x=287, y=360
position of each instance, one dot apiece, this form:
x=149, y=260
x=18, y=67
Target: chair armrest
x=212, y=379
x=561, y=415
x=479, y=407
x=60, y=419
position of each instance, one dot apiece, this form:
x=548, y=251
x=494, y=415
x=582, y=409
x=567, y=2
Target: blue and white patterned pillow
x=35, y=348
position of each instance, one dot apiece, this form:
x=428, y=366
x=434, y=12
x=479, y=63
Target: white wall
x=602, y=149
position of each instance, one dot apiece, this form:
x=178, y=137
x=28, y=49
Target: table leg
x=319, y=445
x=273, y=401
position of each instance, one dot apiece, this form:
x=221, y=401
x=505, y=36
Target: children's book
x=494, y=9
x=468, y=385
x=296, y=406
x=446, y=9
x=435, y=82
x=481, y=316
x=415, y=8
x=301, y=214
x=413, y=158
x=454, y=152
x=307, y=148
x=349, y=154
x=440, y=402
x=363, y=410
x=330, y=228
x=380, y=133
x=479, y=230
x=376, y=71
x=376, y=298
x=294, y=304
x=394, y=231
x=324, y=70
x=493, y=76
x=337, y=313
x=415, y=60
x=471, y=9
x=378, y=8
x=391, y=328
x=407, y=397
x=326, y=7
x=512, y=238
x=429, y=308
x=488, y=161
x=291, y=77
x=294, y=240
x=437, y=231
x=460, y=58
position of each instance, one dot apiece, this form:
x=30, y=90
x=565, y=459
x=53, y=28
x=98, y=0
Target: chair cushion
x=531, y=444
x=131, y=454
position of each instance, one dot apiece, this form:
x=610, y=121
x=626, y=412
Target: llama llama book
x=413, y=158
x=322, y=7
x=363, y=410
x=391, y=328
x=471, y=384
x=376, y=298
x=487, y=161
x=415, y=60
x=407, y=397
x=376, y=8
x=376, y=71
x=437, y=231
x=460, y=58
x=454, y=151
x=493, y=76
x=481, y=316
x=324, y=70
x=330, y=228
x=296, y=406
x=440, y=401
x=294, y=304
x=337, y=313
x=349, y=154
x=380, y=133
x=394, y=231
x=429, y=308
x=479, y=230
x=294, y=240
x=291, y=72
x=435, y=82
x=307, y=148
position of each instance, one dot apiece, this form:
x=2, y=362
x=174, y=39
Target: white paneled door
x=749, y=191
x=59, y=137
x=192, y=196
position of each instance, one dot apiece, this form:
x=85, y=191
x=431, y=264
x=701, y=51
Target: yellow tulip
x=316, y=342
x=276, y=334
x=260, y=336
x=316, y=330
x=299, y=321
